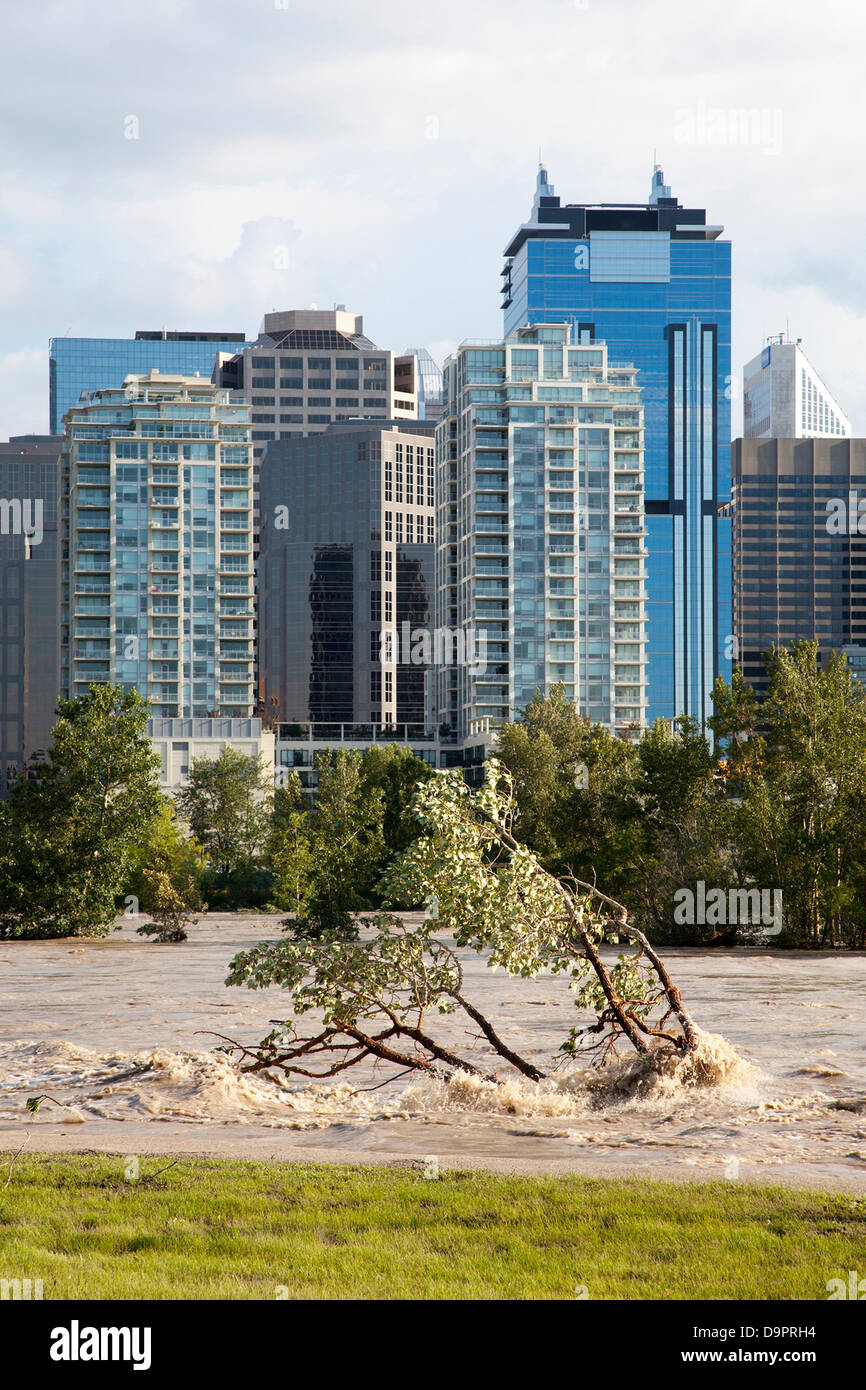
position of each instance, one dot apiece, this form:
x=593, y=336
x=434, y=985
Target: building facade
x=541, y=531
x=346, y=554
x=29, y=485
x=311, y=368
x=87, y=364
x=784, y=397
x=156, y=546
x=653, y=281
x=799, y=551
x=179, y=742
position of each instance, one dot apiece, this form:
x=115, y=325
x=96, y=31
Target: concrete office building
x=29, y=484
x=799, y=553
x=310, y=368
x=86, y=364
x=156, y=546
x=785, y=398
x=541, y=530
x=347, y=550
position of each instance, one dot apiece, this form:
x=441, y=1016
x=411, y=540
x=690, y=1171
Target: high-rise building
x=784, y=397
x=347, y=552
x=430, y=384
x=799, y=553
x=310, y=368
x=86, y=364
x=653, y=281
x=29, y=483
x=156, y=546
x=541, y=530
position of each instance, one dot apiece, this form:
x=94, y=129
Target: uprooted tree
x=375, y=998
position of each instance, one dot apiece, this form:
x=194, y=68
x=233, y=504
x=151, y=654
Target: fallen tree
x=487, y=893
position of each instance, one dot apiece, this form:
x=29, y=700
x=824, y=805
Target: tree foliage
x=227, y=804
x=69, y=833
x=329, y=858
x=166, y=877
x=777, y=802
x=379, y=997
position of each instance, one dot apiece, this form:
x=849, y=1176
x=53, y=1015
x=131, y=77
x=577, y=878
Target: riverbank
x=105, y=1228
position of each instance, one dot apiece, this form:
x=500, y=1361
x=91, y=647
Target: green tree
x=643, y=818
x=71, y=828
x=166, y=877
x=397, y=773
x=684, y=827
x=227, y=804
x=290, y=850
x=800, y=822
x=328, y=856
x=343, y=843
x=578, y=793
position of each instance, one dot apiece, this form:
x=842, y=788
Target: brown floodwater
x=120, y=1033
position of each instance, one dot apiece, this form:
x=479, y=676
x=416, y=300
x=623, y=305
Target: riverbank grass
x=202, y=1229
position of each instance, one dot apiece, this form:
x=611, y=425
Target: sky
x=193, y=164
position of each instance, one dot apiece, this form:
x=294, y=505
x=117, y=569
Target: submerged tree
x=68, y=834
x=489, y=894
x=166, y=878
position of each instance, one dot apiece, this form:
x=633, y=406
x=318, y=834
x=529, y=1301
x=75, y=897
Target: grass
x=206, y=1229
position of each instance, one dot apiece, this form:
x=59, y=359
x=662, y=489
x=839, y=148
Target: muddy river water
x=119, y=1032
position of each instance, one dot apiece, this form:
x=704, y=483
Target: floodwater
x=120, y=1034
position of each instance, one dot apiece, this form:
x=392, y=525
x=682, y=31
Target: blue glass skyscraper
x=653, y=281
x=89, y=364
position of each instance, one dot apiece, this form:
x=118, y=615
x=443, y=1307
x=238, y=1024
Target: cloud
x=392, y=151
x=24, y=399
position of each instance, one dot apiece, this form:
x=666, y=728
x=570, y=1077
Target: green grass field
x=206, y=1229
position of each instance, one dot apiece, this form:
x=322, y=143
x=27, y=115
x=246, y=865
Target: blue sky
x=380, y=154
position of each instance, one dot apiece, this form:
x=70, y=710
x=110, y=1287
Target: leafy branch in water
x=375, y=998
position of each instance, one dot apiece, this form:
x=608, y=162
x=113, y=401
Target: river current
x=119, y=1033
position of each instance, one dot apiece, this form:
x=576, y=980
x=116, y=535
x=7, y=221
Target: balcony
x=99, y=649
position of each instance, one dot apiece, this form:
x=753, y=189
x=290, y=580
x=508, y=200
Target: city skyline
x=112, y=222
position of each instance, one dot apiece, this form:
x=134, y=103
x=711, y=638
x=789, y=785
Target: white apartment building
x=156, y=582
x=541, y=531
